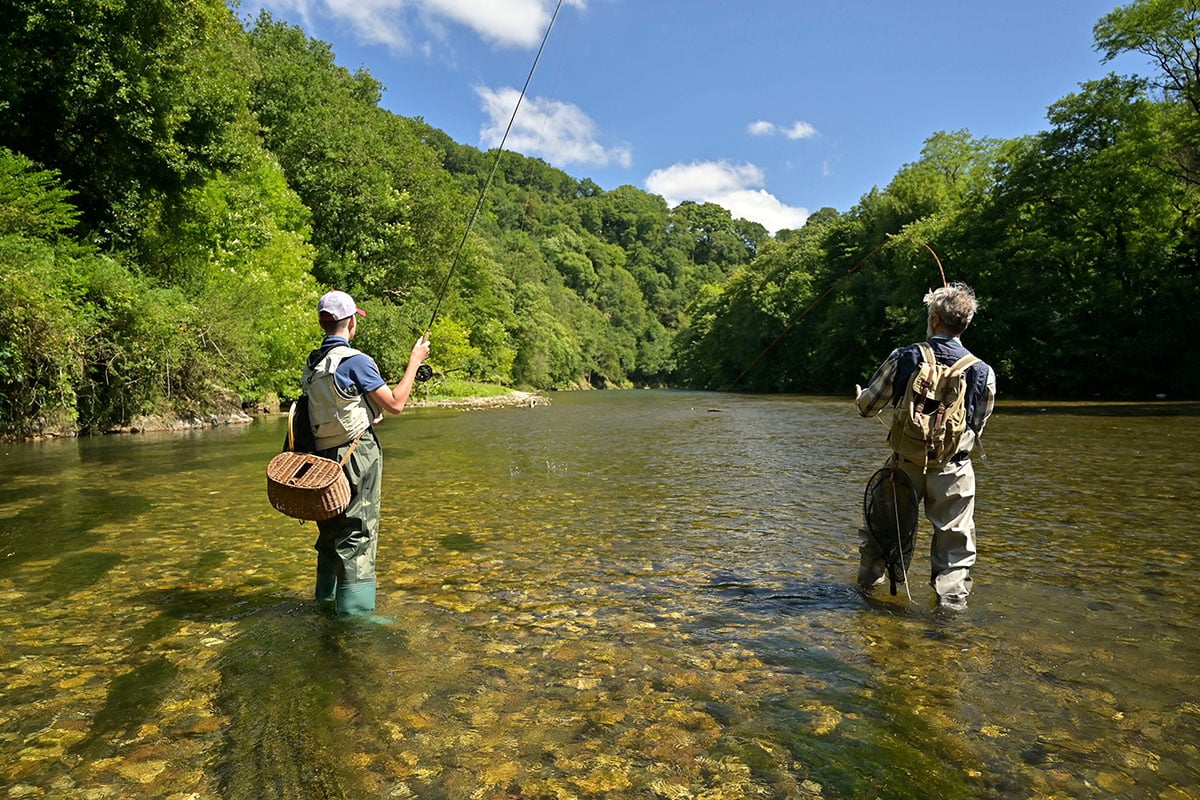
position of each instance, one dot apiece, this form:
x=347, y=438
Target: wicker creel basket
x=307, y=486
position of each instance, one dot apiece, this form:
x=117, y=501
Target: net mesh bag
x=890, y=507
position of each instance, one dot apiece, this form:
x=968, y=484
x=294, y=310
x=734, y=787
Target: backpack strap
x=963, y=364
x=291, y=438
x=353, y=445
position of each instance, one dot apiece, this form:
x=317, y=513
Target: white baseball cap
x=338, y=305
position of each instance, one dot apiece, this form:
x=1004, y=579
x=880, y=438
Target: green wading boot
x=356, y=598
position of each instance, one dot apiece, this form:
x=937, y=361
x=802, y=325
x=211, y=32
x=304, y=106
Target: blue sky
x=771, y=108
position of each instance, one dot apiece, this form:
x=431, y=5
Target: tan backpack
x=932, y=415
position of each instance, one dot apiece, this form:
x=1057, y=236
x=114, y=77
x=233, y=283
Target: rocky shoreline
x=512, y=399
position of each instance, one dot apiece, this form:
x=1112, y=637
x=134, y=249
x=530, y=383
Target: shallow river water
x=620, y=595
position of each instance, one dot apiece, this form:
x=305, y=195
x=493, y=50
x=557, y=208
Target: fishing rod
x=935, y=258
x=425, y=372
x=796, y=321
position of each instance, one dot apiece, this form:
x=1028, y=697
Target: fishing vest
x=337, y=416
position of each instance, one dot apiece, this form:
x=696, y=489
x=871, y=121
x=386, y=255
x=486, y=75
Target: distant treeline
x=177, y=188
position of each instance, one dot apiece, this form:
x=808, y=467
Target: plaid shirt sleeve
x=985, y=404
x=879, y=391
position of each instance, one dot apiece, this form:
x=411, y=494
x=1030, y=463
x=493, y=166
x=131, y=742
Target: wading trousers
x=948, y=494
x=346, y=543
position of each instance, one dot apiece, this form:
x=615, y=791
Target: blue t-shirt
x=355, y=372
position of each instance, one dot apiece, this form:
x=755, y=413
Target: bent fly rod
x=424, y=371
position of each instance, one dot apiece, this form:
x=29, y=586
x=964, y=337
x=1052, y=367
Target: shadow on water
x=294, y=692
x=65, y=531
x=70, y=518
x=290, y=691
x=295, y=684
x=851, y=724
x=133, y=699
x=795, y=598
x=74, y=572
x=460, y=542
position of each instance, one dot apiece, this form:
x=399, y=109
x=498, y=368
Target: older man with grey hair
x=947, y=488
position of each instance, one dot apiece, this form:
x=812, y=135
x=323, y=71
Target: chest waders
x=346, y=544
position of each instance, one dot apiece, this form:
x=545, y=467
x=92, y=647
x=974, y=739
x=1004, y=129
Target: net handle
x=899, y=541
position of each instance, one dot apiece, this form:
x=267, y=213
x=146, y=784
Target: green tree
x=716, y=237
x=244, y=241
x=132, y=101
x=1168, y=33
x=41, y=343
x=1090, y=237
x=385, y=221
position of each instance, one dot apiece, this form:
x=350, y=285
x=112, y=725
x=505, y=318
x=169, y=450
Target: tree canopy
x=177, y=187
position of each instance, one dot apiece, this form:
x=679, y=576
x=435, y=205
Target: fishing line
x=802, y=315
x=554, y=83
x=935, y=258
x=813, y=304
x=495, y=165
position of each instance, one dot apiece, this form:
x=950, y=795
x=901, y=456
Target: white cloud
x=801, y=130
x=731, y=186
x=397, y=23
x=375, y=21
x=302, y=7
x=518, y=23
x=797, y=130
x=560, y=133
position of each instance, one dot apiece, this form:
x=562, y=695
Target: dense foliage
x=1081, y=241
x=176, y=188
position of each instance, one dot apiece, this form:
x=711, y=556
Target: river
x=642, y=594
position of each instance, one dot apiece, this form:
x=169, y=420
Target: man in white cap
x=346, y=397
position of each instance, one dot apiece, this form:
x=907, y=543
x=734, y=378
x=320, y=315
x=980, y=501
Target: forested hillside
x=1081, y=242
x=177, y=188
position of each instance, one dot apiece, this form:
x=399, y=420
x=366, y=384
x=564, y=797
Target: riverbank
x=512, y=399
x=229, y=412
